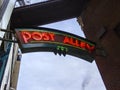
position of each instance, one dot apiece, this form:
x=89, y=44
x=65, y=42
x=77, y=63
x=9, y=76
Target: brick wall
x=99, y=21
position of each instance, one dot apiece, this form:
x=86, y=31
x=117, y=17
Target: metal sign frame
x=51, y=40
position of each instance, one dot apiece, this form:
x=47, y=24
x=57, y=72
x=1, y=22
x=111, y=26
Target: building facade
x=100, y=22
x=9, y=61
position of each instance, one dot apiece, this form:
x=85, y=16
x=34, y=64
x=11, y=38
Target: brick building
x=100, y=22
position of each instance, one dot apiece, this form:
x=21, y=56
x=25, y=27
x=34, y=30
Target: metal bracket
x=7, y=31
x=8, y=40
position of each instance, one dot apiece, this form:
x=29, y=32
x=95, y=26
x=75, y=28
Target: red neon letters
x=78, y=43
x=29, y=36
x=37, y=36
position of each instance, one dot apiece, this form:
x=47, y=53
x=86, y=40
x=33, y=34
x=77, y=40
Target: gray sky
x=46, y=71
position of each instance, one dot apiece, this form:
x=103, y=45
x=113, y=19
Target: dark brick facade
x=100, y=22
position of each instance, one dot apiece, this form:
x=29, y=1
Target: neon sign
x=44, y=39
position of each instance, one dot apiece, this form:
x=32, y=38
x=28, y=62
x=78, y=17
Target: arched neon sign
x=44, y=39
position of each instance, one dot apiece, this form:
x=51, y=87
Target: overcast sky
x=46, y=71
